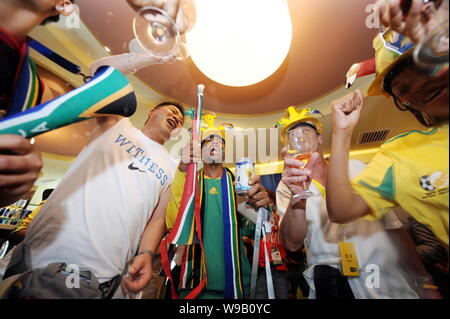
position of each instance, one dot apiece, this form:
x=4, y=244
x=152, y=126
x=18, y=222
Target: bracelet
x=147, y=251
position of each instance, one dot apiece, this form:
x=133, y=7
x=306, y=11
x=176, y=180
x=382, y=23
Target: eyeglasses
x=403, y=103
x=405, y=98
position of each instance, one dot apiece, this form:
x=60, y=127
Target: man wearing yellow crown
x=305, y=222
x=216, y=188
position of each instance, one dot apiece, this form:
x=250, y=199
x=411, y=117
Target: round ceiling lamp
x=240, y=42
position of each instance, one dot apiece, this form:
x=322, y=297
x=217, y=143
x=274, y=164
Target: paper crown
x=294, y=116
x=209, y=129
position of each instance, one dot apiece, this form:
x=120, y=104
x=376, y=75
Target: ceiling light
x=240, y=42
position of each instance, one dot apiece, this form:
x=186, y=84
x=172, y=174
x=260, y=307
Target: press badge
x=276, y=256
x=349, y=260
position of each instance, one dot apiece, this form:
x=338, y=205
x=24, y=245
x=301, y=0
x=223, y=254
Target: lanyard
x=56, y=58
x=270, y=290
x=262, y=217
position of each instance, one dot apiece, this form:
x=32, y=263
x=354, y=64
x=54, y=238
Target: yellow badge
x=213, y=191
x=349, y=260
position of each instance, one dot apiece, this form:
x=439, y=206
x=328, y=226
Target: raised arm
x=342, y=204
x=183, y=12
x=103, y=124
x=191, y=153
x=294, y=226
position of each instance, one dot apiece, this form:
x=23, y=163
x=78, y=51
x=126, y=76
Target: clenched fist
x=191, y=153
x=258, y=196
x=346, y=111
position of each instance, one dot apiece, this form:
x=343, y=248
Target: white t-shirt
x=95, y=217
x=373, y=246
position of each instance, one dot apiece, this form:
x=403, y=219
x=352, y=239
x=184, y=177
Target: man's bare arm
x=156, y=227
x=294, y=226
x=140, y=271
x=342, y=204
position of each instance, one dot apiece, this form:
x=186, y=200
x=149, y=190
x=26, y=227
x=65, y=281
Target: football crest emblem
x=434, y=181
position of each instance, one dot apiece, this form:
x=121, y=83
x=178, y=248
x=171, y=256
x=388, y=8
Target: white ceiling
x=81, y=47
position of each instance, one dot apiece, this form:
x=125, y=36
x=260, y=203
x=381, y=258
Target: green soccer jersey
x=213, y=229
x=213, y=235
x=213, y=243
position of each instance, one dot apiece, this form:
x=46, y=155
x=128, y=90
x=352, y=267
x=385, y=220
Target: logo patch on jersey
x=434, y=181
x=213, y=191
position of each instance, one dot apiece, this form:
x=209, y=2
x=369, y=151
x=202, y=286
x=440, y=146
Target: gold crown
x=292, y=117
x=210, y=129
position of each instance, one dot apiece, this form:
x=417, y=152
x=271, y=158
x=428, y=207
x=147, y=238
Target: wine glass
x=157, y=34
x=301, y=142
x=431, y=54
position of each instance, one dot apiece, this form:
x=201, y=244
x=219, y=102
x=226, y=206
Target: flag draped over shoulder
x=187, y=231
x=27, y=88
x=188, y=226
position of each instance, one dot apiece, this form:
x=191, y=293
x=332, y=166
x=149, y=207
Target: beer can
x=245, y=169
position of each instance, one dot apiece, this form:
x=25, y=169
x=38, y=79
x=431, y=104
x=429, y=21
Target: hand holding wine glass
x=301, y=143
x=425, y=23
x=158, y=27
x=183, y=12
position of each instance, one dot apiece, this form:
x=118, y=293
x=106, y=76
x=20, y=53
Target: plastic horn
x=108, y=93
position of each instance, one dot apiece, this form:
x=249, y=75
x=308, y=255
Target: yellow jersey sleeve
x=376, y=185
x=26, y=222
x=175, y=198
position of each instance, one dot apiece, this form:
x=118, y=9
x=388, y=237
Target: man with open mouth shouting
x=107, y=215
x=227, y=276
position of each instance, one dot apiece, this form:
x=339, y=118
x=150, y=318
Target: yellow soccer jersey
x=410, y=170
x=175, y=199
x=27, y=221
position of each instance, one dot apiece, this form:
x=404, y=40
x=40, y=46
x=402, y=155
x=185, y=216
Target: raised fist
x=346, y=111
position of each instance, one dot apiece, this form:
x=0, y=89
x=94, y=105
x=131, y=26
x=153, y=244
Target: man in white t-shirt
x=109, y=209
x=306, y=222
